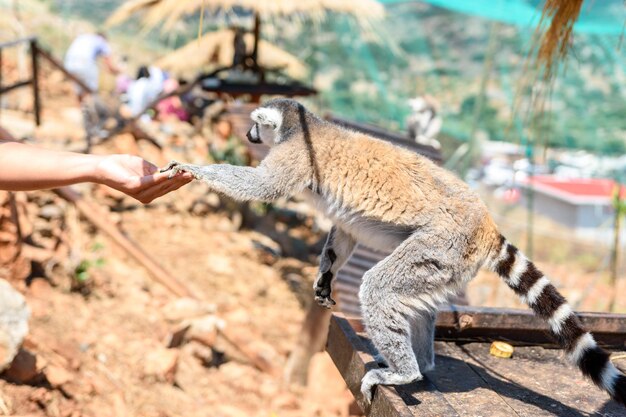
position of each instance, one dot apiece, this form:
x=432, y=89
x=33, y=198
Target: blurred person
x=123, y=80
x=27, y=167
x=171, y=106
x=81, y=60
x=144, y=90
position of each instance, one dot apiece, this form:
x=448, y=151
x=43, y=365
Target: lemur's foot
x=385, y=376
x=325, y=301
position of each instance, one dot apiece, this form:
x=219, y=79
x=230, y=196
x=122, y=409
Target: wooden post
x=257, y=31
x=255, y=49
x=311, y=340
x=34, y=51
x=617, y=205
x=0, y=77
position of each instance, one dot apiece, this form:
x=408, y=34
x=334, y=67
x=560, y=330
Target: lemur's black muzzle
x=253, y=134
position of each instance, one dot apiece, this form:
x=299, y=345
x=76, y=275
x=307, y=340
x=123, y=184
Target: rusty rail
x=521, y=327
x=467, y=324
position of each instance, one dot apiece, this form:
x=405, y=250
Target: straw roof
x=167, y=12
x=216, y=49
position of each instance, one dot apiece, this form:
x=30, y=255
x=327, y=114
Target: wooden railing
x=36, y=52
x=33, y=80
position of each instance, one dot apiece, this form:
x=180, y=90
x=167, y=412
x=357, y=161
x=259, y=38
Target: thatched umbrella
x=167, y=12
x=216, y=49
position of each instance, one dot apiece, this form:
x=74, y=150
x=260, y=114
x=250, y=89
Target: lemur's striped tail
x=536, y=290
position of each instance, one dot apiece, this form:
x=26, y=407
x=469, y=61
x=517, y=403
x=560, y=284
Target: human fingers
x=148, y=181
x=156, y=190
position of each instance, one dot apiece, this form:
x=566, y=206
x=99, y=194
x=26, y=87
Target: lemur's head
x=278, y=120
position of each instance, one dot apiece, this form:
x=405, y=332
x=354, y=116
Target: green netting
x=597, y=16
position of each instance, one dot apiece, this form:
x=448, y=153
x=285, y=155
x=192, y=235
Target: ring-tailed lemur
x=390, y=198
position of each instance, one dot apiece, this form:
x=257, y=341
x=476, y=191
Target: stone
x=23, y=368
x=161, y=364
x=57, y=375
x=204, y=329
x=185, y=308
x=14, y=314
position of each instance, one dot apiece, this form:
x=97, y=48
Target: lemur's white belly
x=371, y=233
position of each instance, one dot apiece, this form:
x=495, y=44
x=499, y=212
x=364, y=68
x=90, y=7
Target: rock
x=161, y=364
x=285, y=401
x=40, y=288
x=202, y=329
x=184, y=308
x=14, y=315
x=57, y=375
x=23, y=369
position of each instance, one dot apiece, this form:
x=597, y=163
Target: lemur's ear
x=268, y=116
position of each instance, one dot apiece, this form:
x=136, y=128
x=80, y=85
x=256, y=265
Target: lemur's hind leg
x=422, y=339
x=390, y=330
x=398, y=297
x=338, y=248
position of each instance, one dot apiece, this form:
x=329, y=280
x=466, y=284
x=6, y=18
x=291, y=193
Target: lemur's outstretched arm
x=240, y=183
x=338, y=248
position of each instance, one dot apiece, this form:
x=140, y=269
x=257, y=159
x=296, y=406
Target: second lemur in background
x=389, y=198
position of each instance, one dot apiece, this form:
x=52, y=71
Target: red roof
x=578, y=189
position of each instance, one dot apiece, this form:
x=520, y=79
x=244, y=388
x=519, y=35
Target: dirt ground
x=112, y=342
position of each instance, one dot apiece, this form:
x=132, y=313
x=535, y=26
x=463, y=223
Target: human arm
x=25, y=167
x=110, y=65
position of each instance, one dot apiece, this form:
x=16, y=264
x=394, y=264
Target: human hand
x=137, y=177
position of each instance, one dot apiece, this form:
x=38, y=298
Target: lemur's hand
x=137, y=177
x=175, y=168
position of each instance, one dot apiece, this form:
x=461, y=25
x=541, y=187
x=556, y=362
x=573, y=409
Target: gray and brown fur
x=392, y=199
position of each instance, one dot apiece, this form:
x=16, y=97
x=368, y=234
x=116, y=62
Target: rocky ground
x=105, y=339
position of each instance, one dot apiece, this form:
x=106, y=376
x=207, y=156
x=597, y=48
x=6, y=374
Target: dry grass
x=166, y=13
x=555, y=41
x=215, y=49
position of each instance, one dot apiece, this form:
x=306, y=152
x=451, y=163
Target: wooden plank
x=465, y=389
x=234, y=88
x=19, y=84
x=422, y=398
x=521, y=327
x=16, y=42
x=353, y=359
x=539, y=382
